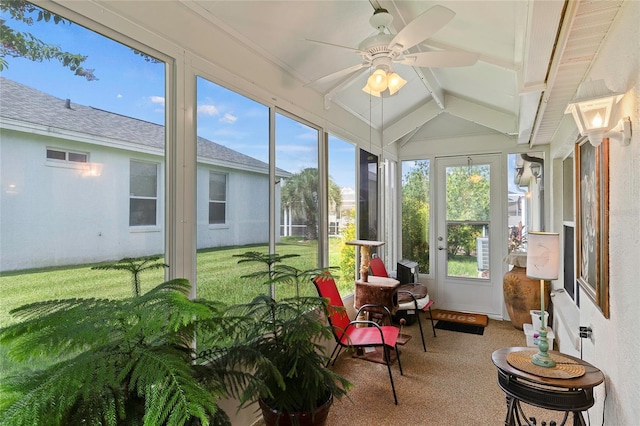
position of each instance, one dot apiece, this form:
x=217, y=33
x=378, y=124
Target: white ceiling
x=533, y=55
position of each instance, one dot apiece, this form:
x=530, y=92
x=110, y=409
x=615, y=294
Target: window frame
x=138, y=197
x=66, y=162
x=224, y=202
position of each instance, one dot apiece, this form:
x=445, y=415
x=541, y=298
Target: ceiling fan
x=382, y=50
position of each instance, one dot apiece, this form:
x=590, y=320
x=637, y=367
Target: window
x=72, y=157
x=342, y=210
x=143, y=193
x=232, y=207
x=83, y=126
x=217, y=198
x=416, y=212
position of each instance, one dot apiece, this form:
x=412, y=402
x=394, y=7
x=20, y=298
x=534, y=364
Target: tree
x=300, y=195
x=17, y=44
x=468, y=198
x=134, y=267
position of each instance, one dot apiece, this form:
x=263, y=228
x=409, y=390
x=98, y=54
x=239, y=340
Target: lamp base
x=542, y=358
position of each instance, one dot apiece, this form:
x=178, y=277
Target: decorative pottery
x=522, y=294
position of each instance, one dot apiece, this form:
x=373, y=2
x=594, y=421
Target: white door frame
x=470, y=294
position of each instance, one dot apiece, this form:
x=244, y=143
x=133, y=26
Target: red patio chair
x=348, y=334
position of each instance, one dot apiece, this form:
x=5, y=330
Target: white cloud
x=119, y=96
x=157, y=99
x=208, y=110
x=229, y=118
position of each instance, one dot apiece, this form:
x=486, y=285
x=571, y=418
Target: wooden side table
x=570, y=395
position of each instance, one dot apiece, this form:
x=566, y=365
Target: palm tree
x=300, y=195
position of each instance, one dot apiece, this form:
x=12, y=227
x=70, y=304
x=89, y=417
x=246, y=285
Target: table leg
x=511, y=412
x=578, y=419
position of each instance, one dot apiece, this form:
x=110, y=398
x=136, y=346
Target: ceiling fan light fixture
x=368, y=91
x=395, y=82
x=377, y=82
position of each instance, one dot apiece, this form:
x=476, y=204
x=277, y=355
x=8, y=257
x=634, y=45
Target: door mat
x=462, y=328
x=460, y=317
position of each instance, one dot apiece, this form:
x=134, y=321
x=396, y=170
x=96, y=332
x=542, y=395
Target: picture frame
x=592, y=221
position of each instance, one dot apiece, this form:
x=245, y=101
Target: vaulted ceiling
x=532, y=55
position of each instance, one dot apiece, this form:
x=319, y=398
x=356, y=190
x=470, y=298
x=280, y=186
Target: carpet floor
x=453, y=383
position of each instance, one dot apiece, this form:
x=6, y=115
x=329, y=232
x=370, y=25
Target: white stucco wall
x=615, y=347
x=247, y=220
x=56, y=215
x=53, y=214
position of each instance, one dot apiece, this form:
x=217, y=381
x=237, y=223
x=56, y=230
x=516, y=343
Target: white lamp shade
x=368, y=91
x=377, y=82
x=395, y=82
x=543, y=255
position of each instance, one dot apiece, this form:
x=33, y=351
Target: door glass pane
x=467, y=221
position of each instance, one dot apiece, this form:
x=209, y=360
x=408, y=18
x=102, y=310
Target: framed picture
x=592, y=221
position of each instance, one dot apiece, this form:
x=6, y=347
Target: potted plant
x=288, y=334
x=114, y=361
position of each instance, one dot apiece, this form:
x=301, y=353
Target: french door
x=468, y=233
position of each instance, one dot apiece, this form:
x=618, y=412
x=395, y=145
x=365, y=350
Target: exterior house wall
x=86, y=218
x=247, y=214
x=63, y=216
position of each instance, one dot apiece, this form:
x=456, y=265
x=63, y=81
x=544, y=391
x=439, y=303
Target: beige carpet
x=453, y=383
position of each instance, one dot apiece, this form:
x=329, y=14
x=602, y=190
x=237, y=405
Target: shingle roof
x=23, y=103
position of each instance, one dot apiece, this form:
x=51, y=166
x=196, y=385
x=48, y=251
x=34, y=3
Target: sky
x=129, y=85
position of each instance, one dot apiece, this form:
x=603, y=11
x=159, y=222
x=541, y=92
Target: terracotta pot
x=274, y=417
x=522, y=294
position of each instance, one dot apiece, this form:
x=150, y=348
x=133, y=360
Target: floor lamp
x=543, y=252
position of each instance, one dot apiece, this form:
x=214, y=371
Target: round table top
x=591, y=378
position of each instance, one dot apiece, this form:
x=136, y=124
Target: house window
x=72, y=157
x=143, y=193
x=217, y=198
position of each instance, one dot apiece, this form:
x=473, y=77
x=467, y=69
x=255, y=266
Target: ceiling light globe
x=395, y=82
x=377, y=82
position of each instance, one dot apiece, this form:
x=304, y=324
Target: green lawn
x=219, y=278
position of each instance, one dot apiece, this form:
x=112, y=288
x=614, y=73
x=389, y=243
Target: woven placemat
x=565, y=368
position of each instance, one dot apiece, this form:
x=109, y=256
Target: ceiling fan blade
x=353, y=49
x=421, y=28
x=440, y=59
x=338, y=74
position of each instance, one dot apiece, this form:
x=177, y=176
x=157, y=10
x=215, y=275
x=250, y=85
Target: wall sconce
x=592, y=109
x=536, y=170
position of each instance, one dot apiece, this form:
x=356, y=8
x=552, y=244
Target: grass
x=462, y=266
x=219, y=278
